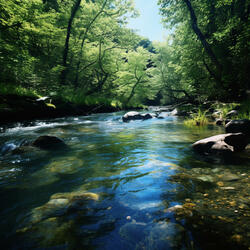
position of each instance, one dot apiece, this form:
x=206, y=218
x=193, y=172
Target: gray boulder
x=239, y=126
x=220, y=144
x=133, y=115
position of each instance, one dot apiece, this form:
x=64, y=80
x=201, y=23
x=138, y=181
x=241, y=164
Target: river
x=135, y=185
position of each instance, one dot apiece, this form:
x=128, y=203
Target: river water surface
x=135, y=185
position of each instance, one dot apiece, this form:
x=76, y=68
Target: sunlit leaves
x=224, y=25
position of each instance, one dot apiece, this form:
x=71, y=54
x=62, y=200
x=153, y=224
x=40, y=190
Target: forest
x=81, y=51
x=109, y=140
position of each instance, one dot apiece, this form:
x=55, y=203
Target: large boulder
x=133, y=115
x=220, y=144
x=239, y=126
x=48, y=142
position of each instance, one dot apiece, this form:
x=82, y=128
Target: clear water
x=117, y=185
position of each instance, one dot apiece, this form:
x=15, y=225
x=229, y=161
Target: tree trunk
x=133, y=90
x=202, y=38
x=66, y=46
x=83, y=41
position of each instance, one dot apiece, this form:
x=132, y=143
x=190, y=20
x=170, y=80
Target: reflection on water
x=120, y=185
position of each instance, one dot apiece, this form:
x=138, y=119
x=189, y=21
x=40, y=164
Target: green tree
x=219, y=27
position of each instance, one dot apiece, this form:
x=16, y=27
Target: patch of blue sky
x=148, y=24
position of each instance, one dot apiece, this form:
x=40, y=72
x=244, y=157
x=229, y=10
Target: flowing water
x=135, y=185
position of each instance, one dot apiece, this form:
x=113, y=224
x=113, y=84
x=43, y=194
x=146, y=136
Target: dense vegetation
x=82, y=51
x=208, y=55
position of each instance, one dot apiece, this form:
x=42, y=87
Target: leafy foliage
x=82, y=51
x=208, y=53
x=102, y=59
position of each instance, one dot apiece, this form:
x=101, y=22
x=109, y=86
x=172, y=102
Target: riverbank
x=15, y=108
x=22, y=108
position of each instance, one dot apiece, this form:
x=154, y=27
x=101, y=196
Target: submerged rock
x=65, y=165
x=219, y=144
x=24, y=150
x=6, y=148
x=206, y=178
x=133, y=115
x=160, y=235
x=133, y=232
x=51, y=233
x=61, y=203
x=230, y=177
x=165, y=235
x=48, y=142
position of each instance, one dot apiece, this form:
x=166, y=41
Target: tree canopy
x=82, y=50
x=209, y=48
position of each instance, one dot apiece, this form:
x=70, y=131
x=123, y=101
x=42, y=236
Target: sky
x=148, y=23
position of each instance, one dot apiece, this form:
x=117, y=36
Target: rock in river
x=239, y=126
x=48, y=142
x=232, y=113
x=133, y=115
x=224, y=143
x=61, y=203
x=219, y=122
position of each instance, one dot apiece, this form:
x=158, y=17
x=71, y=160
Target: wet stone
x=60, y=203
x=230, y=177
x=65, y=165
x=165, y=235
x=206, y=178
x=133, y=231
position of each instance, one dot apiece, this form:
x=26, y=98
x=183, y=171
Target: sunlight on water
x=118, y=185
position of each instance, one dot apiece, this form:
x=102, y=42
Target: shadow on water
x=121, y=186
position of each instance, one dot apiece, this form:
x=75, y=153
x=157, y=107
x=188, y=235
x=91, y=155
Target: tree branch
x=202, y=38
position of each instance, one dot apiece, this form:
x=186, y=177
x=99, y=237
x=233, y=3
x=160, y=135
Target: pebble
x=230, y=177
x=228, y=188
